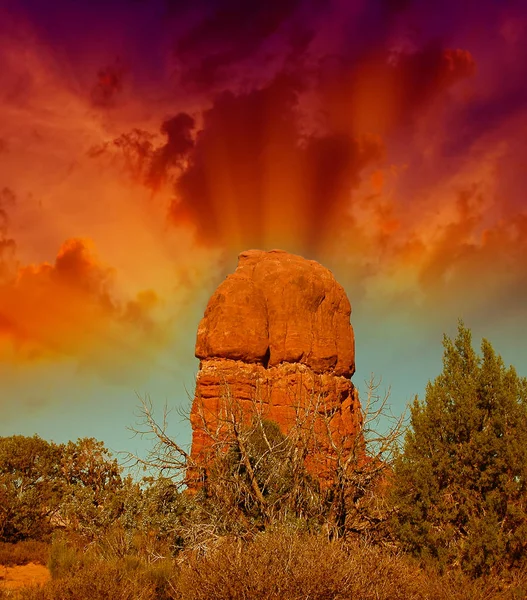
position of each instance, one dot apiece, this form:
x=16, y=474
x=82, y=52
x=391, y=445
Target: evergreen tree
x=460, y=484
x=43, y=484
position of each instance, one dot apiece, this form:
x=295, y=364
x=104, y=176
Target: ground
x=14, y=577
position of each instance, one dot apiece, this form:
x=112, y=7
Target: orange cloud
x=66, y=308
x=439, y=238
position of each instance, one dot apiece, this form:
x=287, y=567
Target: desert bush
x=110, y=567
x=64, y=558
x=97, y=581
x=23, y=553
x=77, y=576
x=289, y=566
x=281, y=564
x=285, y=565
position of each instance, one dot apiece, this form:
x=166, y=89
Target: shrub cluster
x=275, y=565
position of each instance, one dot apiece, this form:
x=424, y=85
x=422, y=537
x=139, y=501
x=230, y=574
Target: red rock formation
x=276, y=337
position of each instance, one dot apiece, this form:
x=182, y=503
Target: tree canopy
x=43, y=484
x=29, y=488
x=460, y=484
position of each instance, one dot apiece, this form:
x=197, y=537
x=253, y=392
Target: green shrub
x=460, y=486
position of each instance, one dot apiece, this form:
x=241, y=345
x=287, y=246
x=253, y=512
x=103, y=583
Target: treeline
x=436, y=511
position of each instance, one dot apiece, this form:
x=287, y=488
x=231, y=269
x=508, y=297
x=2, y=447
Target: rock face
x=276, y=337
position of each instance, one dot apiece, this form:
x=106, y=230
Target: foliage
x=260, y=478
x=29, y=488
x=100, y=580
x=92, y=495
x=106, y=568
x=87, y=463
x=461, y=483
x=44, y=485
x=254, y=475
x=280, y=563
x=161, y=508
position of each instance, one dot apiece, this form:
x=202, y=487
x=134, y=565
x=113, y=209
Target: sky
x=145, y=143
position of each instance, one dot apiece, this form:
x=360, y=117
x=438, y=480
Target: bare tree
x=165, y=456
x=361, y=464
x=251, y=474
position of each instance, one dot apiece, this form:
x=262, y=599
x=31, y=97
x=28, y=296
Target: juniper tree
x=460, y=484
x=29, y=492
x=43, y=484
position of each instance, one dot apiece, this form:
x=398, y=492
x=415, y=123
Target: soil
x=12, y=578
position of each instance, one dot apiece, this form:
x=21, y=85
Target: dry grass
x=101, y=580
x=23, y=553
x=289, y=566
x=279, y=565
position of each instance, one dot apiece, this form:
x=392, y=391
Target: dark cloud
x=501, y=93
x=250, y=164
x=229, y=31
x=483, y=115
x=147, y=163
x=179, y=133
x=396, y=6
x=432, y=70
x=108, y=85
x=386, y=89
x=137, y=149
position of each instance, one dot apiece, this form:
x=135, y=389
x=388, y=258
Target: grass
x=277, y=565
x=23, y=553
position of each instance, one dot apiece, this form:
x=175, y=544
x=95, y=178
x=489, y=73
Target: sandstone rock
x=276, y=337
x=276, y=308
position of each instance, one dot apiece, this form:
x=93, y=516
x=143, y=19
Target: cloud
x=396, y=6
x=388, y=89
x=7, y=244
x=68, y=309
x=340, y=128
x=276, y=163
x=7, y=199
x=440, y=237
x=476, y=267
x=108, y=86
x=227, y=32
x=179, y=133
x=252, y=174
